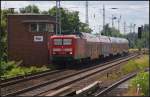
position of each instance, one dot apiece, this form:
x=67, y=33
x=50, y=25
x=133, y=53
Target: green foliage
x=134, y=42
x=133, y=65
x=44, y=12
x=110, y=31
x=13, y=73
x=30, y=9
x=6, y=66
x=70, y=21
x=143, y=80
x=84, y=28
x=10, y=69
x=3, y=35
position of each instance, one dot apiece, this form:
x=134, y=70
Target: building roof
x=38, y=21
x=30, y=14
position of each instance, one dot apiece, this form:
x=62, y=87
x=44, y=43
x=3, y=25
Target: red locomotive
x=85, y=46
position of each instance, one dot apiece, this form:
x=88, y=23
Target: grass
x=142, y=79
x=11, y=69
x=133, y=50
x=137, y=64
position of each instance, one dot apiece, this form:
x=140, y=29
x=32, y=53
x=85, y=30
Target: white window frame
x=49, y=27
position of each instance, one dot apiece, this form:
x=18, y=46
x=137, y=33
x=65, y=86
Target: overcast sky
x=135, y=12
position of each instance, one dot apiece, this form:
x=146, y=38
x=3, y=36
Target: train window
x=67, y=41
x=57, y=41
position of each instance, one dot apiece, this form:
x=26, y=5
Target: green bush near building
x=10, y=69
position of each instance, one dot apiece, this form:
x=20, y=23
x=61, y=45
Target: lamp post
x=113, y=17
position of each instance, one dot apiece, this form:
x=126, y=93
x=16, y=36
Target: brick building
x=28, y=38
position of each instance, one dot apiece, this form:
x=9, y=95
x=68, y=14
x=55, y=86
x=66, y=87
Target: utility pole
x=134, y=28
x=119, y=19
x=86, y=13
x=59, y=19
x=112, y=21
x=124, y=27
x=56, y=17
x=100, y=29
x=130, y=27
x=104, y=19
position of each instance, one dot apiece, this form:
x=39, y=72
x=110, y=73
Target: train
x=85, y=46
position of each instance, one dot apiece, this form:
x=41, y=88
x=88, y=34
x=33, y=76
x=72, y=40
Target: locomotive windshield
x=62, y=41
x=67, y=41
x=57, y=41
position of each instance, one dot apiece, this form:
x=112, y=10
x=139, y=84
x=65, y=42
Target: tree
x=70, y=21
x=29, y=9
x=3, y=34
x=44, y=12
x=145, y=35
x=134, y=42
x=110, y=31
x=84, y=28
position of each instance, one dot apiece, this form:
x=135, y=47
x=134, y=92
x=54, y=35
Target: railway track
x=61, y=81
x=105, y=90
x=109, y=88
x=15, y=82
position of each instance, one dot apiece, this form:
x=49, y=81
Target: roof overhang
x=38, y=21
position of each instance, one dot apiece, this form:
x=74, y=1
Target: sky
x=131, y=12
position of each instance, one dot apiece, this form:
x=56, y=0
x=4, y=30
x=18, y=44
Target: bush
x=6, y=66
x=14, y=72
x=10, y=69
x=143, y=80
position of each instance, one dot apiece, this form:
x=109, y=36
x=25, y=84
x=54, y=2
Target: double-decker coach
x=85, y=46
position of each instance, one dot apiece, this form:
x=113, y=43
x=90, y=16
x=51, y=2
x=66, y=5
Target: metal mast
x=104, y=19
x=124, y=27
x=86, y=11
x=119, y=19
x=134, y=28
x=58, y=17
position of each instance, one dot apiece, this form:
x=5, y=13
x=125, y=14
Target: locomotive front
x=62, y=48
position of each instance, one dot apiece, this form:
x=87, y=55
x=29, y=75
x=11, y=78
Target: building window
x=41, y=27
x=33, y=28
x=50, y=27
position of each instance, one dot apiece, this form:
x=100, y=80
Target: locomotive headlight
x=70, y=52
x=54, y=52
x=56, y=49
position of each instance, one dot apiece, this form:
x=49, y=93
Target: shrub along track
x=58, y=81
x=106, y=90
x=109, y=88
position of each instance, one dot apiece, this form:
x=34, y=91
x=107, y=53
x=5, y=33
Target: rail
x=62, y=81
